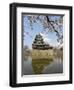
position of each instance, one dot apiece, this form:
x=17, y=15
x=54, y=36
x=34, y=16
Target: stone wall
x=42, y=54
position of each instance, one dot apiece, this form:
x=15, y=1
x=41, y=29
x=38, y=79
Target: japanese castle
x=39, y=43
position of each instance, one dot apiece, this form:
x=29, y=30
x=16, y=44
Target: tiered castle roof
x=39, y=43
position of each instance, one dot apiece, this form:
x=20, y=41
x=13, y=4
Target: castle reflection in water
x=44, y=66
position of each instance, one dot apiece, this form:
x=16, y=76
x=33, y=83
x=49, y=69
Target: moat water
x=43, y=66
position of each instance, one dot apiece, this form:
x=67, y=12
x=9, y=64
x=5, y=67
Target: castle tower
x=39, y=43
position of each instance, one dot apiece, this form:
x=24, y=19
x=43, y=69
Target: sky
x=29, y=34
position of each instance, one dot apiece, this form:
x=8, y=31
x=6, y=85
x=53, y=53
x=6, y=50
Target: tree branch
x=52, y=25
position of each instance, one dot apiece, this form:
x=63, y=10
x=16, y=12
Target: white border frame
x=49, y=77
